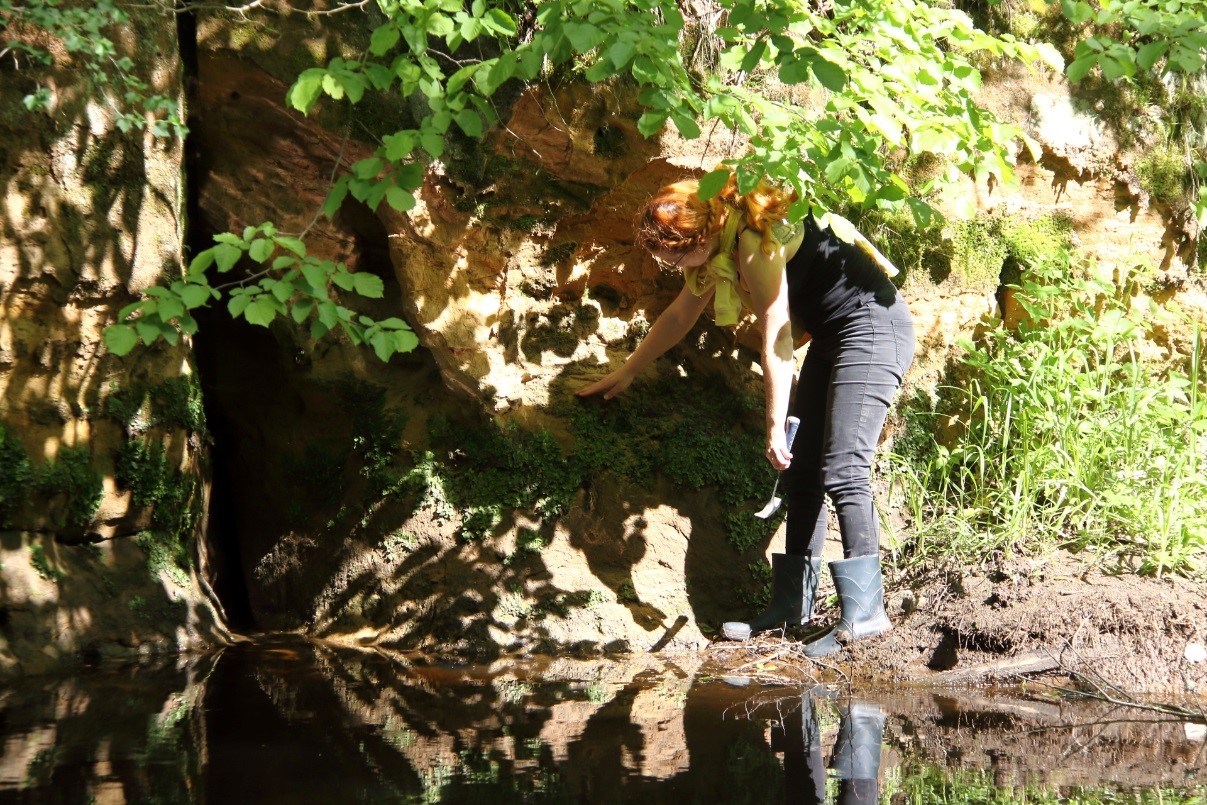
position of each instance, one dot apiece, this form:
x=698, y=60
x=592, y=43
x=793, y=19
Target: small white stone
x=1195, y=652
x=1196, y=732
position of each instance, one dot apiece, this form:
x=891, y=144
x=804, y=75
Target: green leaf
x=399, y=145
x=384, y=39
x=433, y=144
x=148, y=329
x=127, y=311
x=260, y=312
x=713, y=183
x=301, y=309
x=238, y=303
x=583, y=36
x=315, y=275
x=1148, y=55
x=201, y=262
x=383, y=345
x=754, y=56
x=292, y=244
x=305, y=91
x=195, y=295
x=368, y=285
x=226, y=255
x=344, y=280
x=621, y=53
x=332, y=86
x=399, y=199
x=831, y=76
x=686, y=125
x=170, y=308
x=280, y=289
x=328, y=313
x=405, y=341
x=335, y=198
x=500, y=22
x=367, y=168
x=120, y=338
x=260, y=249
x=651, y=122
x=1115, y=69
x=469, y=122
x=1078, y=68
x=795, y=71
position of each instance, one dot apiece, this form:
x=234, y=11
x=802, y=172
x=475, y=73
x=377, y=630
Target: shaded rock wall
x=88, y=219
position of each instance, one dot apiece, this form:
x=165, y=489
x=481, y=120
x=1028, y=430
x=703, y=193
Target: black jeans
x=848, y=379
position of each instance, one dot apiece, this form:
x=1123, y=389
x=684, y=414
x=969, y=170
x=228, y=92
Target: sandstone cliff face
x=392, y=502
x=88, y=220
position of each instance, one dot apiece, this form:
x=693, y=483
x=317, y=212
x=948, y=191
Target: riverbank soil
x=1056, y=617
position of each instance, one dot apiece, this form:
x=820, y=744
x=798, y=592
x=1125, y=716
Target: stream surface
x=293, y=721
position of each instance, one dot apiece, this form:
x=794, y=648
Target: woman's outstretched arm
x=667, y=330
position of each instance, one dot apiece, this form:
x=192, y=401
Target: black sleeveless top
x=829, y=279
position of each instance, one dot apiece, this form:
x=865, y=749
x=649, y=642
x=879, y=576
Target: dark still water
x=296, y=722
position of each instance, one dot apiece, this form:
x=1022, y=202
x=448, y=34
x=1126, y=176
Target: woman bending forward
x=738, y=251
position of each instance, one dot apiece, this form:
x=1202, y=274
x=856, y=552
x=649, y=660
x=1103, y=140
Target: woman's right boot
x=793, y=588
x=860, y=587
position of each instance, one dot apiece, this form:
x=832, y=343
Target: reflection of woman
x=738, y=250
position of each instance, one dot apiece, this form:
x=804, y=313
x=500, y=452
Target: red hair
x=676, y=219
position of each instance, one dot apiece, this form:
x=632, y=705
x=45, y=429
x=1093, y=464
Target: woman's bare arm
x=668, y=329
x=767, y=281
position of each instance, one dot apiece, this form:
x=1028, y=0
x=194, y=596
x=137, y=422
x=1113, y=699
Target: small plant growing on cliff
x=41, y=564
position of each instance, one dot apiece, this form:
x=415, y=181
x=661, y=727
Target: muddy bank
x=1058, y=619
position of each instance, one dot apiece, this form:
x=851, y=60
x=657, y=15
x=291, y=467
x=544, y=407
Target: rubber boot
x=793, y=587
x=860, y=589
x=856, y=759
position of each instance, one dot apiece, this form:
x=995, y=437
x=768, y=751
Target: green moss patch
x=175, y=402
x=16, y=474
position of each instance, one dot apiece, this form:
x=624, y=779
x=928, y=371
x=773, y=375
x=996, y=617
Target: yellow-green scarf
x=721, y=272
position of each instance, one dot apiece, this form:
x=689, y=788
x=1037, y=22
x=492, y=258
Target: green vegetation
x=174, y=403
x=16, y=475
x=1163, y=173
x=41, y=564
x=496, y=469
x=143, y=469
x=166, y=553
x=920, y=781
x=981, y=247
x=684, y=430
x=892, y=77
x=71, y=479
x=556, y=255
x=1064, y=433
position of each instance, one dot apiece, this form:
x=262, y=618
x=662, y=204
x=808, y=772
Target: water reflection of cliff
x=295, y=721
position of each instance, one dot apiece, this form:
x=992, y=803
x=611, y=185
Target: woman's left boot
x=793, y=588
x=860, y=588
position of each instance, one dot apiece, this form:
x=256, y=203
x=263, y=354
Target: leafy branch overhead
x=888, y=79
